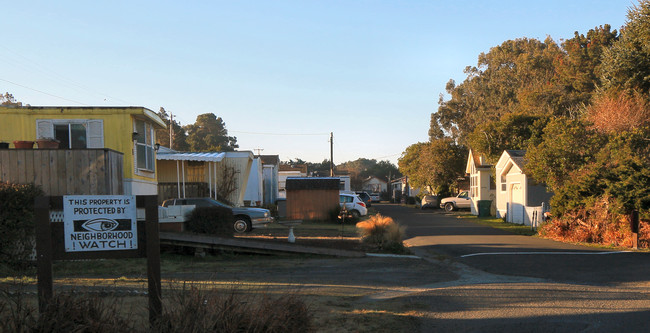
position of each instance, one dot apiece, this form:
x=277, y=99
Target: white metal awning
x=204, y=157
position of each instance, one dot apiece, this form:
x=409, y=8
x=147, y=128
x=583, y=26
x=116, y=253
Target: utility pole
x=171, y=131
x=331, y=154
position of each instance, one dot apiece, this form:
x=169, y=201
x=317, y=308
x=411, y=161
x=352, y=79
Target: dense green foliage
x=211, y=220
x=435, y=165
x=17, y=223
x=179, y=136
x=580, y=108
x=209, y=133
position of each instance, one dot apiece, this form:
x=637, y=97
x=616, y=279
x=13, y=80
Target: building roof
x=518, y=157
x=312, y=183
x=270, y=159
x=137, y=111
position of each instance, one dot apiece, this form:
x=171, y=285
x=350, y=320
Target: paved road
x=511, y=283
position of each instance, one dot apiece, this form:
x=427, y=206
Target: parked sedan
x=375, y=197
x=246, y=218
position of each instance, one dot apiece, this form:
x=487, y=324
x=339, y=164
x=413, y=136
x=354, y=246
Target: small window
x=144, y=151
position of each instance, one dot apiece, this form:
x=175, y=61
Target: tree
x=8, y=100
x=363, y=168
x=436, y=164
x=626, y=65
x=209, y=133
x=513, y=131
x=566, y=146
x=178, y=133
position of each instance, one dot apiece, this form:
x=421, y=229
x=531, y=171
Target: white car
x=461, y=201
x=353, y=205
x=375, y=197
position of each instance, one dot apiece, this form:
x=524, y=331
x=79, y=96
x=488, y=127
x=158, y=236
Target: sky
x=282, y=75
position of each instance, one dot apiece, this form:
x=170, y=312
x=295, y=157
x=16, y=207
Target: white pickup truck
x=460, y=201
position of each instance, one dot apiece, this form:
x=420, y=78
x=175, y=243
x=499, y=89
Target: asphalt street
x=512, y=283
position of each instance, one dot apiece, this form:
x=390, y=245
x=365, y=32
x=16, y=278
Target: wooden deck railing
x=65, y=171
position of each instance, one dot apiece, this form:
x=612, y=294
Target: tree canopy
x=209, y=133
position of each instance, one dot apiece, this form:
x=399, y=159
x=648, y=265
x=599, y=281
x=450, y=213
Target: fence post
x=634, y=226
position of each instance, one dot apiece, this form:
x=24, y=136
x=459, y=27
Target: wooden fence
x=65, y=171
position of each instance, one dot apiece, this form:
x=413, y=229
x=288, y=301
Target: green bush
x=17, y=223
x=211, y=220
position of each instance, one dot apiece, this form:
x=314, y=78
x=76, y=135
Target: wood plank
x=70, y=177
x=100, y=170
x=60, y=161
x=4, y=164
x=50, y=158
x=208, y=241
x=92, y=172
x=20, y=166
x=29, y=166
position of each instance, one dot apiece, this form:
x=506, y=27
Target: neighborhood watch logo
x=102, y=224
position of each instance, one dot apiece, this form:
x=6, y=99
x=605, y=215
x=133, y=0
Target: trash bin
x=484, y=208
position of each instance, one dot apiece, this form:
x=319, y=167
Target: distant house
x=482, y=183
x=285, y=171
x=204, y=174
x=95, y=136
x=270, y=170
x=400, y=188
x=519, y=198
x=374, y=185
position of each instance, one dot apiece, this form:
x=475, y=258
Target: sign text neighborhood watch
x=99, y=222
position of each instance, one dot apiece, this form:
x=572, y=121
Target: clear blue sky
x=281, y=74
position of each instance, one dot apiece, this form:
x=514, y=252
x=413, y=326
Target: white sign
x=99, y=222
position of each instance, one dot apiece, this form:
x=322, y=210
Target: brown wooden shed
x=312, y=198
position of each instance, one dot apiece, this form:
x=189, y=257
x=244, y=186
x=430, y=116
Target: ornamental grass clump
x=382, y=233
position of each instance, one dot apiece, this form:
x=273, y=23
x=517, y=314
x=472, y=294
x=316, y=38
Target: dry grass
x=383, y=233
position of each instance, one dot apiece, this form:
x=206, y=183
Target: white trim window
x=145, y=160
x=72, y=133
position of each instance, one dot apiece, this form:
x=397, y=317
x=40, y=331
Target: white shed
x=519, y=197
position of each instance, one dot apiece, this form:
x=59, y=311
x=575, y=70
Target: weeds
x=190, y=309
x=382, y=233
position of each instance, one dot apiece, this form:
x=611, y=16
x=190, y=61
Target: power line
x=42, y=92
x=280, y=134
x=42, y=70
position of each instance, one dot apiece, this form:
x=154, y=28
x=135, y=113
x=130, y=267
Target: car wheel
x=449, y=207
x=242, y=225
x=355, y=214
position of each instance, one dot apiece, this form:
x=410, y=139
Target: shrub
x=200, y=310
x=211, y=220
x=598, y=222
x=382, y=233
x=17, y=222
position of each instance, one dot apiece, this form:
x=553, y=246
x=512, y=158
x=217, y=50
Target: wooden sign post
x=98, y=227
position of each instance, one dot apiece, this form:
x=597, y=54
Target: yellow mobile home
x=129, y=130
